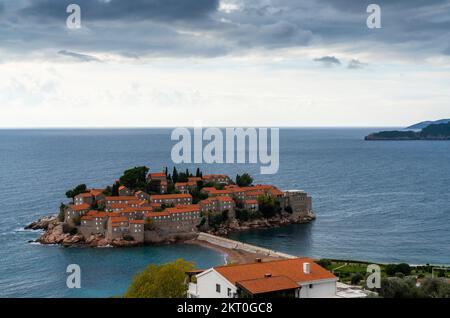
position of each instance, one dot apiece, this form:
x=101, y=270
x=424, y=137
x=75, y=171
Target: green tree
x=62, y=210
x=399, y=288
x=115, y=189
x=356, y=278
x=392, y=269
x=268, y=206
x=175, y=175
x=71, y=194
x=135, y=179
x=244, y=181
x=164, y=281
x=198, y=173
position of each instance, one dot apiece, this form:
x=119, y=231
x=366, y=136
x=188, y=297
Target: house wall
x=326, y=289
x=206, y=285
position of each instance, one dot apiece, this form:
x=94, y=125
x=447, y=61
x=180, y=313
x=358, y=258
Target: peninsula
x=430, y=132
x=149, y=208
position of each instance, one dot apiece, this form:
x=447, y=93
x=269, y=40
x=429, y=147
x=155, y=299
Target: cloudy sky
x=145, y=63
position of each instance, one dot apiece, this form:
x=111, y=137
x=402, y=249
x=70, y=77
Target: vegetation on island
x=163, y=281
x=397, y=280
x=71, y=194
x=431, y=132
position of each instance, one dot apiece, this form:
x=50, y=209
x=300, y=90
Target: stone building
x=298, y=200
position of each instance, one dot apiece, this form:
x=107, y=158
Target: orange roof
x=255, y=192
x=86, y=218
x=181, y=184
x=121, y=198
x=291, y=268
x=114, y=214
x=212, y=190
x=267, y=284
x=118, y=206
x=80, y=207
x=170, y=196
x=157, y=175
x=194, y=179
x=251, y=201
x=96, y=192
x=85, y=195
x=137, y=221
x=184, y=208
x=97, y=214
x=118, y=219
x=122, y=187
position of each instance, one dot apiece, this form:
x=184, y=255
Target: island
x=430, y=132
x=143, y=207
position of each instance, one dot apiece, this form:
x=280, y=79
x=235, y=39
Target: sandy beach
x=232, y=256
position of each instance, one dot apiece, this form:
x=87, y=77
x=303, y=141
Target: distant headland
x=438, y=130
x=148, y=208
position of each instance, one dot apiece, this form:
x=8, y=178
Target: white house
x=299, y=278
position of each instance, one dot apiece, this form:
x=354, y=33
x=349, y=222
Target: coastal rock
x=97, y=240
x=72, y=239
x=41, y=224
x=54, y=234
x=124, y=243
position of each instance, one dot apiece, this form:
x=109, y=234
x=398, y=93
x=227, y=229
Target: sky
x=159, y=63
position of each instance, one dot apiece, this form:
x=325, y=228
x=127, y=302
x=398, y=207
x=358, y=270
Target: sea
x=378, y=201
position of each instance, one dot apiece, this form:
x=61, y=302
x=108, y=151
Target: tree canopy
x=135, y=179
x=244, y=181
x=81, y=188
x=163, y=281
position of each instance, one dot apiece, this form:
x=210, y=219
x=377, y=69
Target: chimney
x=258, y=260
x=306, y=269
x=268, y=275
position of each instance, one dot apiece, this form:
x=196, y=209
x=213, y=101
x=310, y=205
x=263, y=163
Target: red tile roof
x=80, y=207
x=137, y=221
x=267, y=284
x=85, y=195
x=121, y=198
x=184, y=208
x=170, y=196
x=96, y=192
x=291, y=268
x=119, y=219
x=157, y=175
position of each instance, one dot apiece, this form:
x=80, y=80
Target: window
x=311, y=285
x=218, y=288
x=229, y=292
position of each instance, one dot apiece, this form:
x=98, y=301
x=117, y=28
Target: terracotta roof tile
x=267, y=284
x=291, y=268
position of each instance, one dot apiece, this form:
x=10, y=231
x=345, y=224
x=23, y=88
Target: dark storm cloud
x=328, y=61
x=124, y=9
x=79, y=56
x=355, y=64
x=199, y=28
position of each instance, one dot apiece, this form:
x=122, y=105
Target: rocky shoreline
x=55, y=232
x=277, y=221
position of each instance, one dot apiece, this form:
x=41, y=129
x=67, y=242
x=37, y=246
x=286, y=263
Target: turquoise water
x=382, y=201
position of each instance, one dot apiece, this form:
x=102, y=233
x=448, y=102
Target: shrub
x=164, y=281
x=392, y=269
x=356, y=278
x=61, y=214
x=326, y=263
